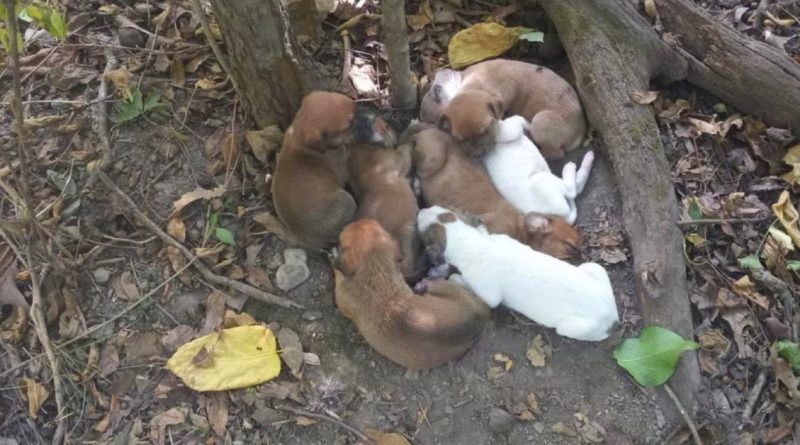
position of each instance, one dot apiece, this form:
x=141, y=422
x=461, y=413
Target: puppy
x=444, y=87
x=379, y=179
x=494, y=89
x=449, y=178
x=577, y=301
x=311, y=169
x=523, y=177
x=415, y=331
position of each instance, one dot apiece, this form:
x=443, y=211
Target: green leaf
x=33, y=13
x=54, y=24
x=651, y=357
x=790, y=352
x=213, y=220
x=136, y=99
x=225, y=236
x=750, y=262
x=152, y=102
x=793, y=265
x=694, y=209
x=533, y=36
x=6, y=43
x=125, y=112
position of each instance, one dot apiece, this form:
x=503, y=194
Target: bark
x=395, y=38
x=614, y=52
x=263, y=55
x=750, y=75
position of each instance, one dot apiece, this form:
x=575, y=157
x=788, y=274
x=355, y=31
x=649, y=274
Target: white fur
x=521, y=174
x=450, y=80
x=577, y=301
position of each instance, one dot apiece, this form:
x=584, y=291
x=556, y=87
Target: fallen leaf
x=304, y=421
x=215, y=311
x=65, y=77
x=35, y=393
x=311, y=359
x=726, y=298
x=291, y=350
x=109, y=360
x=790, y=352
x=242, y=356
x=159, y=424
x=696, y=239
x=563, y=429
x=505, y=360
x=9, y=293
x=788, y=216
x=480, y=42
x=495, y=372
x=650, y=8
x=746, y=288
x=179, y=335
x=418, y=22
x=232, y=319
x=644, y=97
x=178, y=73
x=651, y=358
x=535, y=352
x=121, y=79
x=781, y=238
x=749, y=262
x=13, y=327
x=612, y=255
x=264, y=142
x=786, y=381
x=275, y=226
x=740, y=319
x=362, y=76
x=217, y=412
x=713, y=346
x=177, y=229
x=258, y=277
x=194, y=195
x=124, y=287
x=105, y=422
x=386, y=438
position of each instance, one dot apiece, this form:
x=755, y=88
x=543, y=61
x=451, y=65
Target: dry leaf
x=232, y=319
x=242, y=356
x=650, y=8
x=505, y=360
x=788, y=216
x=644, y=97
x=264, y=142
x=105, y=422
x=13, y=326
x=159, y=424
x=125, y=287
x=194, y=195
x=275, y=226
x=121, y=79
x=177, y=229
x=9, y=293
x=178, y=73
x=217, y=412
x=291, y=350
x=746, y=288
x=34, y=393
x=535, y=352
x=480, y=42
x=386, y=438
x=740, y=319
x=215, y=311
x=304, y=421
x=259, y=277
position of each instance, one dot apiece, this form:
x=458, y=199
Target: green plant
x=222, y=234
x=133, y=107
x=43, y=16
x=651, y=358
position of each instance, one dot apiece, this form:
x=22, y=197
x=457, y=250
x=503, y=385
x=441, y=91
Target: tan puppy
x=415, y=331
x=379, y=179
x=311, y=170
x=496, y=89
x=449, y=178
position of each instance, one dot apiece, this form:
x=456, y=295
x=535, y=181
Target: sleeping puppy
x=311, y=169
x=445, y=85
x=449, y=178
x=379, y=179
x=495, y=89
x=577, y=301
x=523, y=177
x=415, y=331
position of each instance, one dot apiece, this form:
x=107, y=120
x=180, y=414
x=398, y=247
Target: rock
x=101, y=275
x=131, y=38
x=294, y=271
x=500, y=421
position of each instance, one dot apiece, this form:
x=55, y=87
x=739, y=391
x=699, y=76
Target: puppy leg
x=406, y=159
x=329, y=220
x=582, y=176
x=569, y=179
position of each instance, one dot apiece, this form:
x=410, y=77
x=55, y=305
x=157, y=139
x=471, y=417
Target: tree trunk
x=395, y=38
x=263, y=58
x=614, y=52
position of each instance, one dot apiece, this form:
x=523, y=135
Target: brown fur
x=311, y=169
x=500, y=88
x=415, y=331
x=451, y=179
x=379, y=178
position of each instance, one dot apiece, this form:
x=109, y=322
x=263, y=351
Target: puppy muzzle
x=368, y=127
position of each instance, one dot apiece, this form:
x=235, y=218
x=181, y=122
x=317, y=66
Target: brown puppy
x=415, y=331
x=311, y=169
x=379, y=178
x=496, y=89
x=449, y=178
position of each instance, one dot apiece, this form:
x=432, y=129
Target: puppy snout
x=370, y=128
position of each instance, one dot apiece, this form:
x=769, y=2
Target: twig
x=685, y=415
x=244, y=288
x=100, y=122
x=752, y=396
x=347, y=57
x=720, y=221
x=223, y=62
x=341, y=423
x=780, y=289
x=16, y=107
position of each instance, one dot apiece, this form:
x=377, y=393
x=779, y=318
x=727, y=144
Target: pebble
x=500, y=421
x=101, y=275
x=294, y=270
x=538, y=427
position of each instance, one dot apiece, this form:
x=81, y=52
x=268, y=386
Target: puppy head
x=553, y=236
x=431, y=224
x=471, y=118
x=360, y=238
x=328, y=120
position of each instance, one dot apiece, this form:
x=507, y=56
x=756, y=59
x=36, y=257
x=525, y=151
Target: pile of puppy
x=495, y=225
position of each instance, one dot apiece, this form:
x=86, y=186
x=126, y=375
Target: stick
x=780, y=289
x=752, y=396
x=100, y=122
x=198, y=11
x=341, y=423
x=720, y=221
x=685, y=415
x=16, y=107
x=246, y=289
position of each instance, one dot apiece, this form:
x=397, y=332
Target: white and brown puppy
x=494, y=89
x=381, y=183
x=448, y=177
x=415, y=331
x=311, y=170
x=523, y=177
x=444, y=87
x=577, y=301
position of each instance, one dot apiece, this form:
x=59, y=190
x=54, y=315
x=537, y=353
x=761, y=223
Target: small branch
x=752, y=397
x=395, y=37
x=346, y=58
x=223, y=62
x=244, y=288
x=685, y=415
x=341, y=423
x=100, y=122
x=16, y=106
x=781, y=289
x=720, y=221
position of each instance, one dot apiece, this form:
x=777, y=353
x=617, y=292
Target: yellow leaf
x=535, y=353
x=239, y=357
x=788, y=216
x=121, y=79
x=304, y=421
x=650, y=8
x=177, y=229
x=386, y=438
x=34, y=393
x=792, y=155
x=480, y=42
x=696, y=239
x=781, y=238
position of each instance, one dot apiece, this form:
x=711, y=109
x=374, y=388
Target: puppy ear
x=536, y=223
x=444, y=123
x=340, y=264
x=496, y=107
x=437, y=93
x=435, y=240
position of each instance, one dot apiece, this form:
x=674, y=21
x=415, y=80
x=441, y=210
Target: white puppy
x=523, y=177
x=577, y=301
